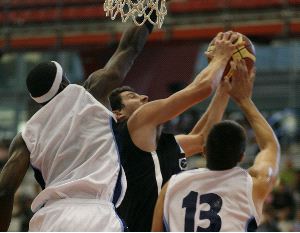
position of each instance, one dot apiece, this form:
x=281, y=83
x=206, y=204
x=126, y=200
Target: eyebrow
x=130, y=93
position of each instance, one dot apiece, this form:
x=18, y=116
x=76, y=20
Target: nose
x=144, y=98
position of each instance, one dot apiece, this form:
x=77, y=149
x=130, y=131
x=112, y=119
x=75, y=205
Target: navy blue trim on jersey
x=166, y=227
x=39, y=177
x=118, y=187
x=251, y=225
x=122, y=222
x=125, y=227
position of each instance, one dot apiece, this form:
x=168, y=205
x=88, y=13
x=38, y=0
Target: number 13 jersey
x=206, y=200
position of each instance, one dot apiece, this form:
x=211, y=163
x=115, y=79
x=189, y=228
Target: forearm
x=265, y=136
x=11, y=177
x=214, y=112
x=134, y=38
x=130, y=46
x=212, y=74
x=6, y=203
x=180, y=101
x=9, y=182
x=193, y=143
x=103, y=81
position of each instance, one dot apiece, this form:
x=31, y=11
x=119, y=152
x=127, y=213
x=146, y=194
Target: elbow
x=278, y=147
x=278, y=150
x=272, y=146
x=275, y=144
x=115, y=76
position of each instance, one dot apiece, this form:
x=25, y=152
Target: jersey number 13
x=190, y=203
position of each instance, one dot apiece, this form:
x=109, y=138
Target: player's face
x=132, y=101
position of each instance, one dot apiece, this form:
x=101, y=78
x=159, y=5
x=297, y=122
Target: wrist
x=222, y=92
x=148, y=24
x=244, y=102
x=220, y=61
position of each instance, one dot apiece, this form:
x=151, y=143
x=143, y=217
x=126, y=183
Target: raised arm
x=143, y=123
x=265, y=168
x=11, y=177
x=101, y=82
x=193, y=142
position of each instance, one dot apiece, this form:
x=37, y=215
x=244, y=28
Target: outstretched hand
x=224, y=45
x=242, y=81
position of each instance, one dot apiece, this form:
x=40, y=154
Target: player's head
x=45, y=81
x=225, y=146
x=124, y=101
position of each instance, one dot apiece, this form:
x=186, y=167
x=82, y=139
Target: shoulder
x=264, y=179
x=74, y=89
x=18, y=149
x=18, y=142
x=93, y=78
x=263, y=175
x=100, y=83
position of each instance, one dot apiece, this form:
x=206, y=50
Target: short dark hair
x=40, y=79
x=115, y=97
x=226, y=143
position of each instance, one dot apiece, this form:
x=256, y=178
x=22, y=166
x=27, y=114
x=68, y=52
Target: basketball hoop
x=137, y=9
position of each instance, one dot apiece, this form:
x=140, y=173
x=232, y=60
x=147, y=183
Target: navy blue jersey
x=146, y=173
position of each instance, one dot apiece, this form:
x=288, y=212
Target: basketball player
x=70, y=145
x=223, y=196
x=150, y=157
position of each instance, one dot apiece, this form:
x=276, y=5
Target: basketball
x=245, y=51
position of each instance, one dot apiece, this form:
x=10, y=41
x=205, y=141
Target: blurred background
x=77, y=34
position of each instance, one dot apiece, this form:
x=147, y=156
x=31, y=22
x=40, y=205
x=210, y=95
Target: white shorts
x=72, y=214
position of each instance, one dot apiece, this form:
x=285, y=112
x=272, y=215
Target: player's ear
x=119, y=115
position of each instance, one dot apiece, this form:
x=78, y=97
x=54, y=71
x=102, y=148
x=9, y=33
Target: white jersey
x=73, y=151
x=205, y=200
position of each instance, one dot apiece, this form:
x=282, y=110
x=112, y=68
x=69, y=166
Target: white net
x=135, y=9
